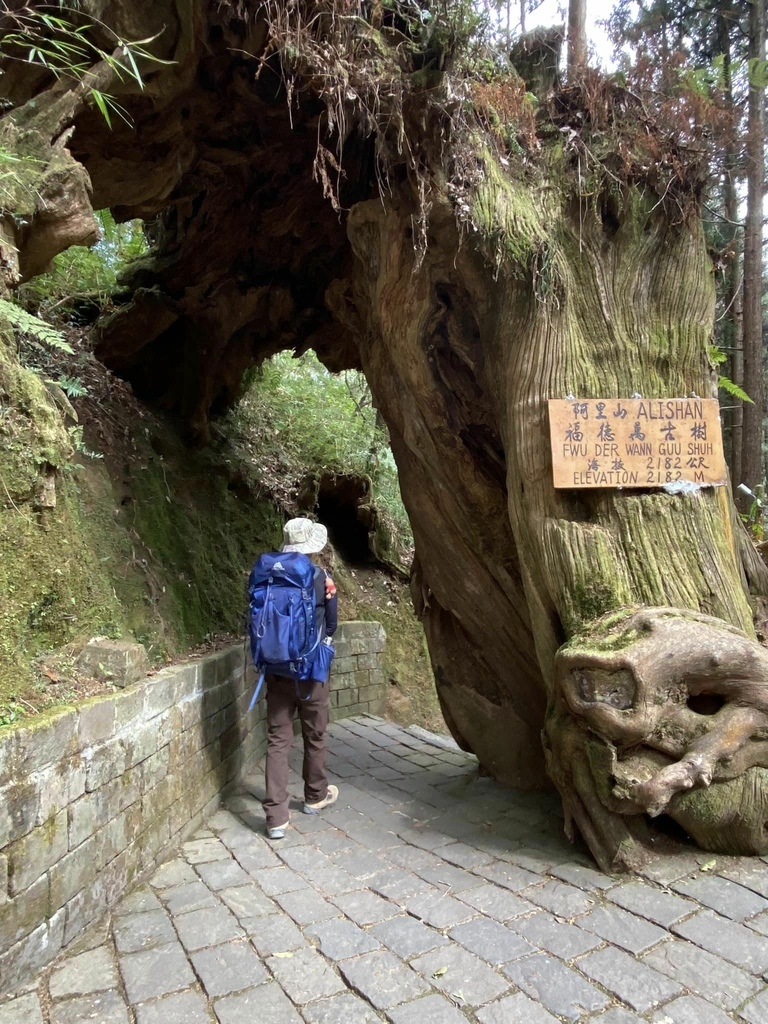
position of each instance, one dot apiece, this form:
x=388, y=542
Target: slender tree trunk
x=752, y=460
x=577, y=35
x=732, y=297
x=522, y=16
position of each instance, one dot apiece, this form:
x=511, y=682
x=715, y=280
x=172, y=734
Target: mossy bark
x=545, y=296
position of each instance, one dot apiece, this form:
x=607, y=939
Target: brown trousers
x=283, y=704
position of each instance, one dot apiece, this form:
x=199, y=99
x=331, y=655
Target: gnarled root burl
x=662, y=710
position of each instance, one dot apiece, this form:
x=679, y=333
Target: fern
x=716, y=355
x=733, y=389
x=72, y=387
x=26, y=323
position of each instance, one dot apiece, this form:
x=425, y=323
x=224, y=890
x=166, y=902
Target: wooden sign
x=636, y=442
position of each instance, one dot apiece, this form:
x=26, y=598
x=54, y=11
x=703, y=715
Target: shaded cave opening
x=343, y=506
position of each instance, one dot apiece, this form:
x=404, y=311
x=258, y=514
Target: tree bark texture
x=752, y=436
x=509, y=568
x=470, y=289
x=732, y=332
x=577, y=36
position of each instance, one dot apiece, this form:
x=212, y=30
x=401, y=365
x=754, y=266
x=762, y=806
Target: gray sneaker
x=278, y=832
x=330, y=798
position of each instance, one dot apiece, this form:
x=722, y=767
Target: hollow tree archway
x=469, y=289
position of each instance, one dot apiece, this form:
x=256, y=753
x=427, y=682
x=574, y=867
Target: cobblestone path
x=426, y=896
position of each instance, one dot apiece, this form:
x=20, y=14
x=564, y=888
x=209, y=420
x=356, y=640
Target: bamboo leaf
x=100, y=100
x=134, y=67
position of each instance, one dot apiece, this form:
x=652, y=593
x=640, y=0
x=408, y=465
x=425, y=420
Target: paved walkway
x=426, y=896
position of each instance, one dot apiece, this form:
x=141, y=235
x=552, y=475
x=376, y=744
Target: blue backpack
x=284, y=637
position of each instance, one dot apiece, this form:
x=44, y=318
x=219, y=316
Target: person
x=286, y=698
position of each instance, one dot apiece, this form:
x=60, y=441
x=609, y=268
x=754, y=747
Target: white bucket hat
x=304, y=536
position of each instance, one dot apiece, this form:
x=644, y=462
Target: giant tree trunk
x=471, y=286
x=462, y=356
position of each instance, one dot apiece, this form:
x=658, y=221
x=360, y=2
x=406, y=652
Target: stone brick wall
x=91, y=797
x=358, y=680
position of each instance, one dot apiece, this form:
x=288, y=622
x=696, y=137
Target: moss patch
x=142, y=545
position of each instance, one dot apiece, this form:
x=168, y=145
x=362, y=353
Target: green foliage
x=298, y=418
x=27, y=323
x=9, y=712
x=754, y=517
x=64, y=47
x=717, y=357
x=72, y=387
x=727, y=385
x=758, y=72
x=80, y=272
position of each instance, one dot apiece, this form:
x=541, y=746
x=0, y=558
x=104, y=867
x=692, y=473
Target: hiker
x=287, y=695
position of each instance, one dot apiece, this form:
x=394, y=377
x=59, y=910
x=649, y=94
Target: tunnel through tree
x=324, y=181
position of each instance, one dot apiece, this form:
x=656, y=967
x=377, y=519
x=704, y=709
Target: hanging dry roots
x=663, y=711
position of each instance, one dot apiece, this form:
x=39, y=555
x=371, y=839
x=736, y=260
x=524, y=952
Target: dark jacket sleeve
x=326, y=607
x=331, y=614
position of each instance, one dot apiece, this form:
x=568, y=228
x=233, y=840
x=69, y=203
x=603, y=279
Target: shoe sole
x=308, y=809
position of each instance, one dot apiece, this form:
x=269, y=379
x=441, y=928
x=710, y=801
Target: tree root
x=648, y=712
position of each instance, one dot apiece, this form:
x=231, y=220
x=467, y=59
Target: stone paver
x=247, y=901
x=634, y=983
x=429, y=1010
x=230, y=967
x=183, y=1008
x=622, y=929
x=340, y=940
x=93, y=971
x=155, y=973
x=348, y=1008
x=711, y=977
x=267, y=1004
x=24, y=1010
x=207, y=927
x=383, y=979
x=305, y=976
x=663, y=908
x=756, y=1010
x=273, y=933
x=561, y=990
x=516, y=1008
x=724, y=938
x=496, y=903
x=140, y=901
x=181, y=899
x=453, y=969
x=143, y=931
x=690, y=1010
x=172, y=873
x=723, y=895
x=557, y=937
x=104, y=1007
x=365, y=907
x=427, y=895
x=407, y=937
x=491, y=941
